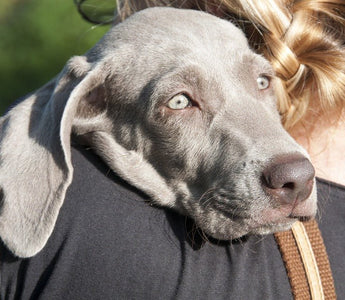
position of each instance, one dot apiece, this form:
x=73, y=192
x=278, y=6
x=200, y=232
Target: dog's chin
x=263, y=229
x=255, y=229
x=274, y=227
x=282, y=224
x=268, y=221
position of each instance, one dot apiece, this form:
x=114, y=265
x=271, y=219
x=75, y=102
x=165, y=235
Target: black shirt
x=109, y=243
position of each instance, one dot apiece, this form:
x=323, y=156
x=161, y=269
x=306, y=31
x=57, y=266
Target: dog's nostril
x=289, y=179
x=289, y=185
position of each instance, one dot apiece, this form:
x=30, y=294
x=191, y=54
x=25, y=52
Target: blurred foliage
x=97, y=11
x=37, y=38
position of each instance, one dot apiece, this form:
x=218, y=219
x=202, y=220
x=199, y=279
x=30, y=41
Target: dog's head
x=176, y=103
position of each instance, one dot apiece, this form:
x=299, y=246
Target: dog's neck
x=324, y=140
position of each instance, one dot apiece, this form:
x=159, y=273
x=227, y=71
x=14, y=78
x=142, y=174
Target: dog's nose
x=289, y=179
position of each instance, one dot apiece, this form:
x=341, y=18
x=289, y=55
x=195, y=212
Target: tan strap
x=306, y=261
x=322, y=261
x=309, y=261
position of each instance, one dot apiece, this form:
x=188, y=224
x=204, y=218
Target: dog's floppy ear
x=35, y=157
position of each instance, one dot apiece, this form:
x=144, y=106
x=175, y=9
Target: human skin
x=323, y=136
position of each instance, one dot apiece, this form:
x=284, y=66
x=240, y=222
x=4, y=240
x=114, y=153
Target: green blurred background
x=36, y=39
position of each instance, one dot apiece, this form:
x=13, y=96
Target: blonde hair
x=303, y=40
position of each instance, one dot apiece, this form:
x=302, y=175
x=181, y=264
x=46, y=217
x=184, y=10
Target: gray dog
x=176, y=103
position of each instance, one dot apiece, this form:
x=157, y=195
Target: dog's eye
x=263, y=82
x=179, y=101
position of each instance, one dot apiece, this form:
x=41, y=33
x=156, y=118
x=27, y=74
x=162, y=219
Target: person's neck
x=324, y=139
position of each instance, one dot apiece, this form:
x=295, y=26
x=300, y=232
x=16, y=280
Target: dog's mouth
x=296, y=210
x=225, y=220
x=271, y=220
x=266, y=213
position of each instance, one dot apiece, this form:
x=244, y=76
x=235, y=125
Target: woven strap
x=306, y=261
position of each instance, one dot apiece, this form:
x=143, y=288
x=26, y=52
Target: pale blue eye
x=263, y=82
x=179, y=101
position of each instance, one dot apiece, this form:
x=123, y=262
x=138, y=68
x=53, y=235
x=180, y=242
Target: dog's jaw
x=227, y=211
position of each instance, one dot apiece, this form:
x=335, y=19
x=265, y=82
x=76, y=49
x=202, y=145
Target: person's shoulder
x=100, y=197
x=92, y=178
x=332, y=223
x=102, y=207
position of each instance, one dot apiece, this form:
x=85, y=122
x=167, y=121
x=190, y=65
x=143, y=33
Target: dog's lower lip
x=300, y=218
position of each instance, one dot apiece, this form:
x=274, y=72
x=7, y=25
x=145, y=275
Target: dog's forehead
x=163, y=26
x=181, y=22
x=166, y=41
